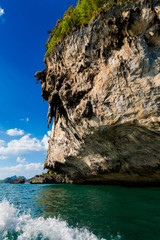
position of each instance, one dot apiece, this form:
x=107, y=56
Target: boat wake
x=14, y=225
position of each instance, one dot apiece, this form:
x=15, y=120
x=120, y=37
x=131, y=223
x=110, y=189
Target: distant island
x=44, y=178
x=14, y=179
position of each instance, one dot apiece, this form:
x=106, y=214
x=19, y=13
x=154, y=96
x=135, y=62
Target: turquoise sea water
x=76, y=212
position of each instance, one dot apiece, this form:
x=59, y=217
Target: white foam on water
x=27, y=228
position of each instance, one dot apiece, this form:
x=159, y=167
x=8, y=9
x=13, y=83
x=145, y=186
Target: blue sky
x=23, y=122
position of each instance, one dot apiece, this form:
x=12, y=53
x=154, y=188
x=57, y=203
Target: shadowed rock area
x=49, y=179
x=102, y=84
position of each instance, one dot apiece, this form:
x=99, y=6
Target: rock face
x=17, y=180
x=102, y=84
x=42, y=179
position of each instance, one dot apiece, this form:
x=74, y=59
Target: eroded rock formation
x=49, y=179
x=102, y=84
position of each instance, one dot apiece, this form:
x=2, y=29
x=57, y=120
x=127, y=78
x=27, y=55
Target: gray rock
x=102, y=84
x=46, y=179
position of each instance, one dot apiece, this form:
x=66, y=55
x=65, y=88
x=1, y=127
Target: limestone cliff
x=102, y=84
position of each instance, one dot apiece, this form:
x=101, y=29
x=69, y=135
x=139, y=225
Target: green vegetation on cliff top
x=76, y=17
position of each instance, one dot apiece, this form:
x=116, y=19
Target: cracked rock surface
x=102, y=84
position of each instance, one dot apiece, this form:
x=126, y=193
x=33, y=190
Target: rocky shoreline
x=50, y=179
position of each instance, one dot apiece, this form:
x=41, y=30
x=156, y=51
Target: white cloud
x=2, y=143
x=26, y=170
x=23, y=145
x=45, y=140
x=15, y=132
x=24, y=119
x=1, y=11
x=49, y=133
x=21, y=160
x=3, y=157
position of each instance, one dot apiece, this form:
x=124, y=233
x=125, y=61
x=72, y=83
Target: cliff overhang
x=102, y=84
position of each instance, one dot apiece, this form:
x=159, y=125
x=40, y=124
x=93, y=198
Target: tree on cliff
x=76, y=17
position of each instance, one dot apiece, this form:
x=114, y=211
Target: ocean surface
x=76, y=212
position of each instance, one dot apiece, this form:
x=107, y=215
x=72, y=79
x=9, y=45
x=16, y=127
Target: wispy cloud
x=1, y=11
x=15, y=132
x=27, y=170
x=21, y=160
x=3, y=157
x=25, y=119
x=25, y=144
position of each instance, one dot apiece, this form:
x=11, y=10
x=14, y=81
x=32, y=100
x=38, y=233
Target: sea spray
x=14, y=225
